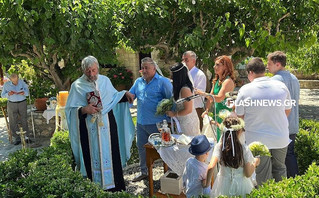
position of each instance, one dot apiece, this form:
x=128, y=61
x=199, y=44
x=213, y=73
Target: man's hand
x=20, y=93
x=11, y=93
x=130, y=97
x=89, y=109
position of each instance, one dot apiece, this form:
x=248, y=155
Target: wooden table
x=151, y=156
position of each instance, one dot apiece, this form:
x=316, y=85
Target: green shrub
x=49, y=174
x=307, y=144
x=13, y=172
x=306, y=185
x=3, y=102
x=309, y=125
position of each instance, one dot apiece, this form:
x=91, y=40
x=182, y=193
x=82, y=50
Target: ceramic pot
x=40, y=104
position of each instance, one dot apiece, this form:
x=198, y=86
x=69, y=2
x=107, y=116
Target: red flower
x=120, y=74
x=115, y=76
x=122, y=77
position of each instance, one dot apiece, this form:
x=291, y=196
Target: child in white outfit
x=237, y=163
x=194, y=176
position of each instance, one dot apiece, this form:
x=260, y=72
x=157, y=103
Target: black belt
x=18, y=101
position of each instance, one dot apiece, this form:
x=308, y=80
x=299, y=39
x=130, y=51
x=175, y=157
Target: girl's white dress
x=231, y=181
x=190, y=122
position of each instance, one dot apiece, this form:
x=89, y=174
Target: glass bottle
x=166, y=134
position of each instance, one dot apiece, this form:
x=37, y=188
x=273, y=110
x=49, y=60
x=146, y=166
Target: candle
x=63, y=96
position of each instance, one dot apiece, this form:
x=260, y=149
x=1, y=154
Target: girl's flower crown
x=223, y=114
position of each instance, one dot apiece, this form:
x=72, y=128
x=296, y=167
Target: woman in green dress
x=223, y=82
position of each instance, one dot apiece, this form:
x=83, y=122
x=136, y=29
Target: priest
x=100, y=127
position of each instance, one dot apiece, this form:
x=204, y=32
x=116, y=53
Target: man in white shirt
x=265, y=104
x=199, y=80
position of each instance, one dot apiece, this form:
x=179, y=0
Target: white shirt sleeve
x=201, y=81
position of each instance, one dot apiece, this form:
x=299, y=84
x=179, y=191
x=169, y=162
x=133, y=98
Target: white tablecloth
x=48, y=114
x=176, y=156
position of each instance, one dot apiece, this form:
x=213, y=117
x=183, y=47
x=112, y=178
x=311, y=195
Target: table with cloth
x=174, y=157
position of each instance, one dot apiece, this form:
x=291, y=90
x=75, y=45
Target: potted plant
x=121, y=77
x=40, y=90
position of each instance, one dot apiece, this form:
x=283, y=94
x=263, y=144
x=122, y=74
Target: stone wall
x=130, y=60
x=42, y=129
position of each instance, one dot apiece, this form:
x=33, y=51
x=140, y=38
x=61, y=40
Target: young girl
x=237, y=163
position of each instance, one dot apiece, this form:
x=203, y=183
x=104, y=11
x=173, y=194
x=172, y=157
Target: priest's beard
x=92, y=78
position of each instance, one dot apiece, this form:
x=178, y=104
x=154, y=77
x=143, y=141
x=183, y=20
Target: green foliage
x=307, y=144
x=259, y=149
x=3, y=102
x=306, y=185
x=164, y=105
x=120, y=76
x=24, y=69
x=56, y=34
x=41, y=88
x=305, y=59
x=49, y=174
x=237, y=28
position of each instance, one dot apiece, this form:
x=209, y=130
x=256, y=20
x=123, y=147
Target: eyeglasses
x=185, y=60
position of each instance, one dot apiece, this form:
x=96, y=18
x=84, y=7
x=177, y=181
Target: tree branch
x=54, y=62
x=174, y=15
x=286, y=15
x=22, y=54
x=201, y=22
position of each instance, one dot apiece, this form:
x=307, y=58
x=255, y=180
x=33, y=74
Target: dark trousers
x=17, y=113
x=291, y=159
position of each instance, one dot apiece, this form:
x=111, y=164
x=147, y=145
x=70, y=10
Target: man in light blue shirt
x=149, y=91
x=16, y=91
x=276, y=65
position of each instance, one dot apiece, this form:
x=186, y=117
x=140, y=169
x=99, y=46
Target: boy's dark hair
x=227, y=158
x=256, y=65
x=278, y=57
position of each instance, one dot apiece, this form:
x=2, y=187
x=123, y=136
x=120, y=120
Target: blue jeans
x=291, y=160
x=143, y=132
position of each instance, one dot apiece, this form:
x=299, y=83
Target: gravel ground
x=141, y=187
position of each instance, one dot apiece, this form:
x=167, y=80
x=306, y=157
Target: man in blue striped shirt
x=149, y=91
x=276, y=65
x=16, y=91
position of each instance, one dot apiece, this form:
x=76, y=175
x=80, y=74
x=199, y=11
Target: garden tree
x=54, y=35
x=239, y=28
x=305, y=59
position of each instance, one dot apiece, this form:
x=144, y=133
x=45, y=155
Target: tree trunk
x=1, y=75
